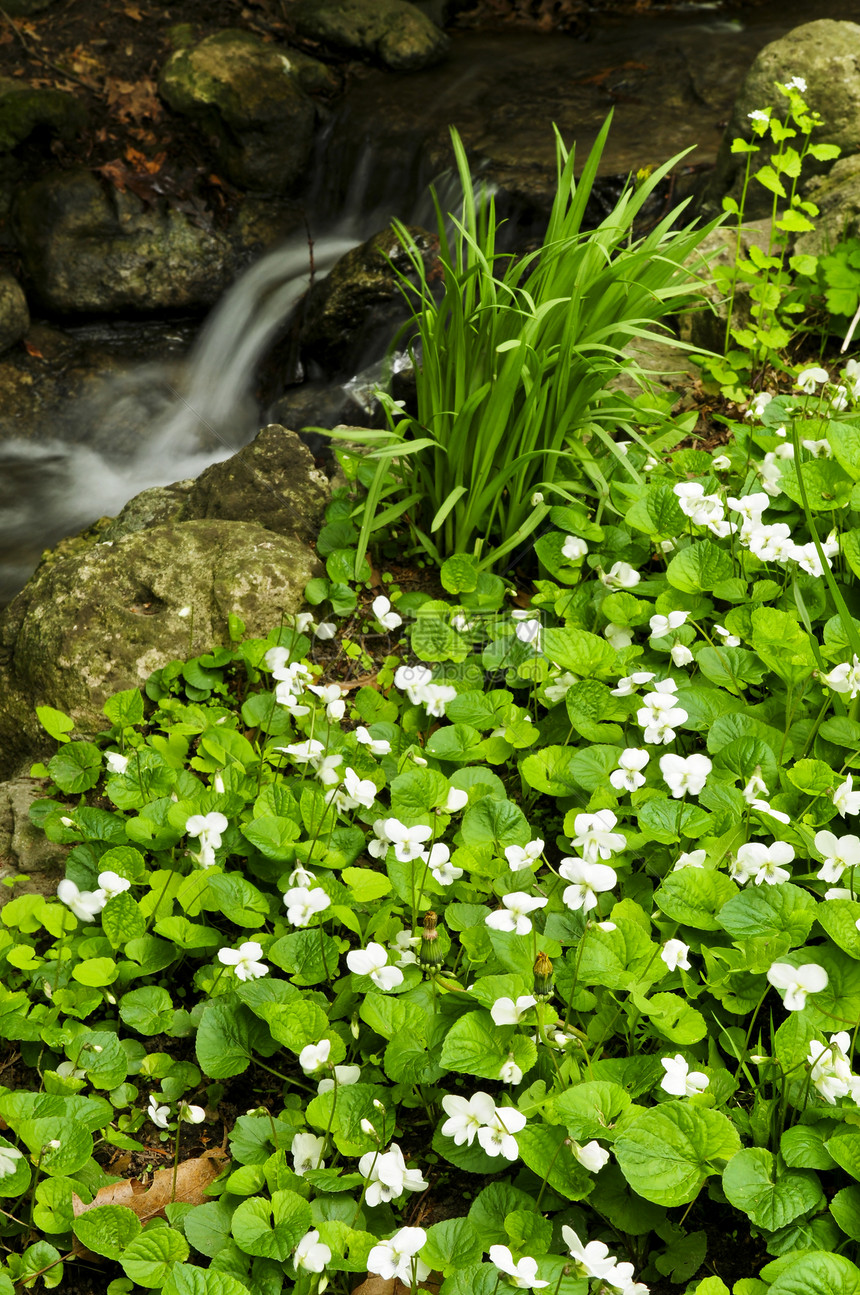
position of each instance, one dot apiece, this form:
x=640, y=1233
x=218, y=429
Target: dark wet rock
x=321, y=404
x=14, y=315
x=393, y=32
x=25, y=8
x=90, y=248
x=103, y=620
x=23, y=848
x=252, y=99
x=826, y=54
x=352, y=316
x=24, y=107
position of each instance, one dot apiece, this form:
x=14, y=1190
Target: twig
x=46, y=62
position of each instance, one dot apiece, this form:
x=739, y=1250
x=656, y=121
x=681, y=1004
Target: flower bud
x=543, y=976
x=429, y=955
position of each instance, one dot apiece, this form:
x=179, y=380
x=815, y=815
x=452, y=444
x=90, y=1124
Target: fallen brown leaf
x=193, y=1177
x=374, y=1285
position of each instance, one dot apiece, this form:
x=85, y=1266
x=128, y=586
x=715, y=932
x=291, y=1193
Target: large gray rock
x=14, y=315
x=24, y=107
x=87, y=247
x=391, y=31
x=103, y=610
x=826, y=54
x=250, y=97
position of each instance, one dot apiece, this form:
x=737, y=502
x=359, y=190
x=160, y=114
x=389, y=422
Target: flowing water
x=167, y=421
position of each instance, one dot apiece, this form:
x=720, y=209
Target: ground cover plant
x=529, y=957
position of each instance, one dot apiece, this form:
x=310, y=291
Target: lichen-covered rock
x=103, y=609
x=23, y=107
x=89, y=247
x=392, y=31
x=837, y=196
x=14, y=315
x=357, y=308
x=251, y=98
x=705, y=328
x=273, y=481
x=104, y=619
x=826, y=55
x=24, y=849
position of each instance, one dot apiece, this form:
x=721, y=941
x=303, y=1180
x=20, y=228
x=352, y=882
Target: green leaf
x=815, y=1273
x=148, y=1010
x=782, y=644
x=491, y=1207
x=528, y=1232
x=845, y=1208
x=459, y=573
x=76, y=767
x=107, y=1229
x=74, y=1145
x=828, y=486
x=185, y=1279
x=273, y=836
x=55, y=723
x=839, y=919
x=16, y=1183
x=271, y=1228
x=224, y=1040
x=452, y=1244
x=309, y=957
x=771, y=1197
x=844, y=440
x=578, y=650
x=590, y=1109
x=124, y=710
x=673, y=1018
x=207, y=1226
x=122, y=920
x=770, y=912
x=698, y=568
x=150, y=1256
x=669, y=820
x=845, y=1150
x=473, y=1046
x=669, y=1152
x=695, y=897
x=544, y=1148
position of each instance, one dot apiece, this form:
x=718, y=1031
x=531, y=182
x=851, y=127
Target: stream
x=670, y=80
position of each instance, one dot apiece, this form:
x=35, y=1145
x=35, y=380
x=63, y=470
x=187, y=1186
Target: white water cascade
x=160, y=423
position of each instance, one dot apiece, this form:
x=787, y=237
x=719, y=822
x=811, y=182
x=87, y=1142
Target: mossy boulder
x=14, y=315
x=104, y=619
x=826, y=55
x=837, y=196
x=391, y=32
x=25, y=107
x=89, y=247
x=251, y=98
x=103, y=609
